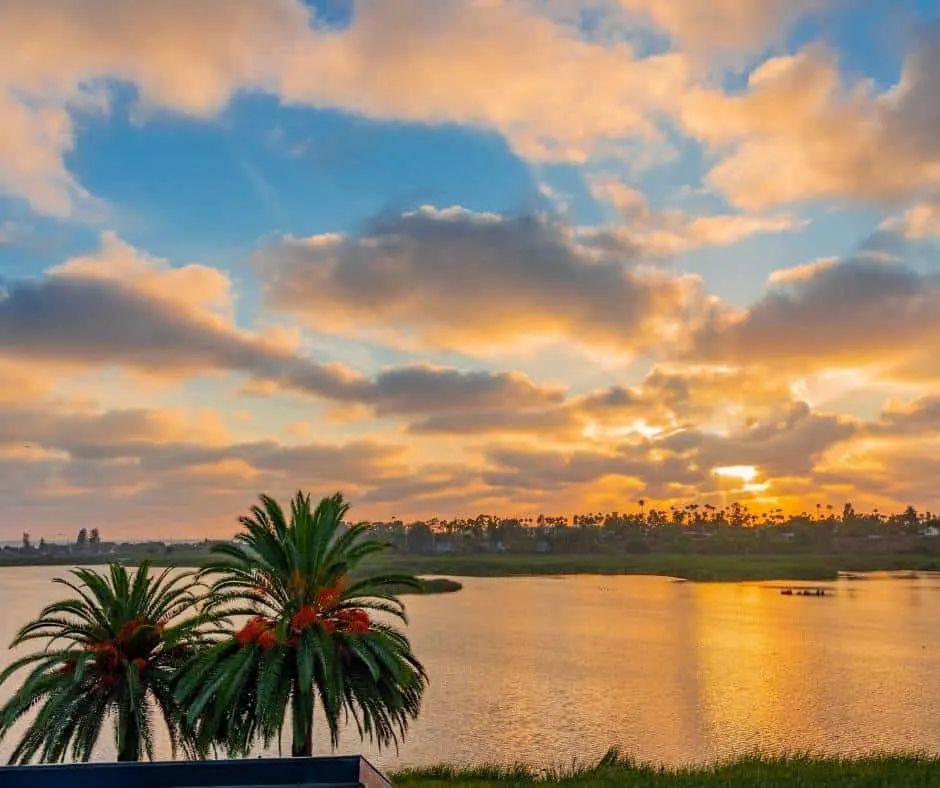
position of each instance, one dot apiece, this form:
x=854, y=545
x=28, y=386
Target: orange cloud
x=725, y=24
x=459, y=280
x=192, y=286
x=494, y=64
x=826, y=139
x=33, y=145
x=823, y=316
x=918, y=222
x=664, y=234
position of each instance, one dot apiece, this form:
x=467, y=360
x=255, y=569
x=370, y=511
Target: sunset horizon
x=462, y=257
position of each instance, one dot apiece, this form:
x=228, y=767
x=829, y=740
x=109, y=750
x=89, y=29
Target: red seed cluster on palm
x=308, y=616
x=134, y=643
x=250, y=633
x=353, y=621
x=128, y=630
x=328, y=596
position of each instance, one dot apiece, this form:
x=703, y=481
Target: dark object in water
x=803, y=592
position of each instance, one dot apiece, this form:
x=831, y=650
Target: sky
x=454, y=257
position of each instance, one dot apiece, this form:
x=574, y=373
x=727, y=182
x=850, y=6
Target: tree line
x=733, y=528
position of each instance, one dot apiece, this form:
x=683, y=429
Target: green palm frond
x=313, y=635
x=113, y=650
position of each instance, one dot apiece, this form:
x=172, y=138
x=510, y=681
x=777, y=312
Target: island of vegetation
x=701, y=543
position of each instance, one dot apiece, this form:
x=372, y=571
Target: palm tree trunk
x=302, y=718
x=128, y=736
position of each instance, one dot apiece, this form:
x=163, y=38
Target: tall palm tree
x=112, y=650
x=312, y=632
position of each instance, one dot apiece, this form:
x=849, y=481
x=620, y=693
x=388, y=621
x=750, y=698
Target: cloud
x=788, y=444
x=827, y=139
x=126, y=309
x=917, y=417
x=538, y=469
x=23, y=382
x=461, y=280
x=856, y=313
x=33, y=144
x=679, y=465
x=920, y=221
x=192, y=286
x=665, y=234
x=668, y=399
x=498, y=65
x=725, y=24
x=145, y=486
x=72, y=432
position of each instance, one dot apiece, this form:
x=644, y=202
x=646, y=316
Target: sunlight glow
x=638, y=427
x=744, y=472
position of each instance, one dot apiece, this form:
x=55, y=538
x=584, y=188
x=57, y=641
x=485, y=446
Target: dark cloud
x=788, y=445
x=541, y=469
x=94, y=321
x=456, y=279
x=857, y=312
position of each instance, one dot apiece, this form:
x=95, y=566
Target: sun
x=746, y=473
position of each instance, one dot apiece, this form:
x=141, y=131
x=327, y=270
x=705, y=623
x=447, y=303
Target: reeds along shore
x=756, y=771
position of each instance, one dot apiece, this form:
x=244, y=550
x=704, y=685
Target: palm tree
x=112, y=651
x=310, y=633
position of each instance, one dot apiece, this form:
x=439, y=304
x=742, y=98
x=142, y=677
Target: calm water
x=547, y=670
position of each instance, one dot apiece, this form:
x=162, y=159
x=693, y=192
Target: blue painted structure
x=333, y=772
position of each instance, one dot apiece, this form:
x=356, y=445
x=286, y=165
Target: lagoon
x=546, y=670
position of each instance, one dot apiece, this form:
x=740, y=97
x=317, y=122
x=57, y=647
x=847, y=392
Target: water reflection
x=548, y=670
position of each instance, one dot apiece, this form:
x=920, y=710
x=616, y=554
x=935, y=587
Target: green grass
x=612, y=771
x=437, y=585
x=688, y=566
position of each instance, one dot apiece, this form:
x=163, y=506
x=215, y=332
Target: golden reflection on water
x=548, y=670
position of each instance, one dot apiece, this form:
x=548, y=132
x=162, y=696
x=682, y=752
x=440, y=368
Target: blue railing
x=335, y=772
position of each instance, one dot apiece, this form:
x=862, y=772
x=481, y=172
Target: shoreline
x=678, y=566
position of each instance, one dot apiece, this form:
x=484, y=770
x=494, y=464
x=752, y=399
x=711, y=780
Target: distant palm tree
x=112, y=651
x=311, y=633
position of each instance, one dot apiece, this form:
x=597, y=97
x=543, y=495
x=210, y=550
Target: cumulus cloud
x=664, y=234
x=920, y=221
x=148, y=485
x=499, y=65
x=827, y=139
x=461, y=280
x=667, y=399
x=72, y=432
x=126, y=309
x=856, y=313
x=33, y=143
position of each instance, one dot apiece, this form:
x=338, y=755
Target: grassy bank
x=896, y=771
x=436, y=585
x=690, y=566
x=687, y=566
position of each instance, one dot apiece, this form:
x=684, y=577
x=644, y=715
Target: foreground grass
x=748, y=772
